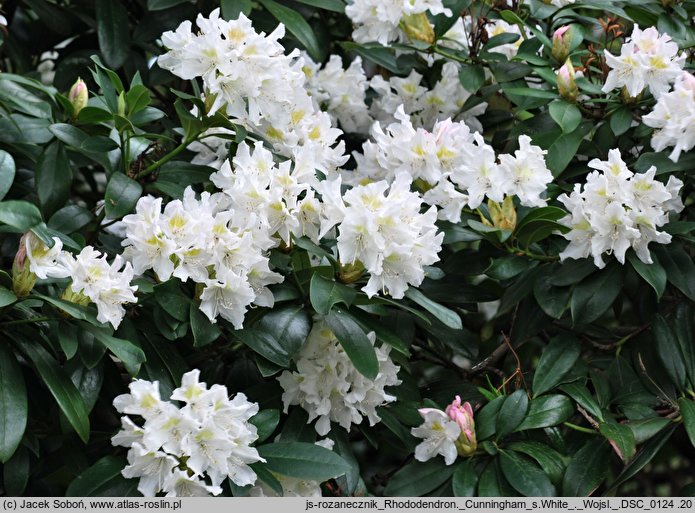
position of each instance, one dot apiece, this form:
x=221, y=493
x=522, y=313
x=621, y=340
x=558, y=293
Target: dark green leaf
x=565, y=114
x=13, y=403
x=157, y=5
x=329, y=5
x=417, y=479
x=552, y=300
x=95, y=480
x=525, y=476
x=303, y=461
x=621, y=119
x=683, y=328
x=511, y=413
x=126, y=351
x=355, y=342
x=556, y=361
x=232, y=8
x=289, y=326
x=15, y=473
x=266, y=422
x=53, y=178
x=465, y=479
x=486, y=418
x=445, y=315
x=653, y=273
x=547, y=410
x=621, y=439
x=7, y=297
x=549, y=459
x=583, y=397
x=70, y=219
x=325, y=293
x=265, y=345
x=380, y=55
x=472, y=76
x=204, y=332
x=7, y=172
x=687, y=407
x=113, y=32
x=297, y=26
x=122, y=193
x=63, y=390
x=587, y=469
x=595, y=294
x=680, y=268
x=669, y=351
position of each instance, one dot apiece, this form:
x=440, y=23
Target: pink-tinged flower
x=462, y=414
x=565, y=82
x=78, y=96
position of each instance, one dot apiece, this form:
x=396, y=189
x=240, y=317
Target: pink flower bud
x=78, y=96
x=562, y=38
x=565, y=82
x=462, y=414
x=688, y=81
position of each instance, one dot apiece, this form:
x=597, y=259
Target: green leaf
x=511, y=413
x=621, y=119
x=546, y=411
x=549, y=459
x=486, y=418
x=95, y=480
x=565, y=114
x=556, y=361
x=289, y=326
x=653, y=273
x=587, y=469
x=137, y=99
x=232, y=8
x=329, y=5
x=324, y=293
x=669, y=351
x=680, y=268
x=446, y=316
x=13, y=403
x=507, y=267
x=381, y=55
x=524, y=476
x=122, y=193
x=15, y=473
x=552, y=300
x=472, y=77
x=465, y=479
x=53, y=178
x=621, y=439
x=265, y=345
x=650, y=449
x=7, y=297
x=69, y=219
x=583, y=397
x=21, y=215
x=688, y=412
x=7, y=172
x=683, y=328
x=595, y=294
x=130, y=354
x=74, y=310
x=303, y=461
x=266, y=422
x=112, y=31
x=416, y=478
x=355, y=342
x=157, y=5
x=170, y=297
x=297, y=26
x=204, y=332
x=63, y=390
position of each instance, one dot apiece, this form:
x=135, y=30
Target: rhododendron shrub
x=347, y=248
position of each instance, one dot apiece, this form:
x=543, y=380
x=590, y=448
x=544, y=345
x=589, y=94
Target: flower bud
x=462, y=414
x=418, y=27
x=503, y=216
x=566, y=84
x=78, y=96
x=23, y=279
x=562, y=38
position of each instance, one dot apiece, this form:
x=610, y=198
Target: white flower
x=44, y=262
x=618, y=210
x=178, y=449
x=648, y=59
x=327, y=385
x=673, y=118
x=525, y=174
x=440, y=434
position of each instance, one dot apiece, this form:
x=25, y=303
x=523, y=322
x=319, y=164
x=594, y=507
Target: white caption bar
x=373, y=504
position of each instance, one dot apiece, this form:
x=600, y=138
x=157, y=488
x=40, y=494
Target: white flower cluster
x=93, y=278
x=177, y=448
x=209, y=242
x=379, y=20
x=617, y=209
x=384, y=232
x=674, y=118
x=327, y=385
x=292, y=486
x=260, y=191
x=425, y=106
x=648, y=59
x=341, y=92
x=248, y=75
x=450, y=159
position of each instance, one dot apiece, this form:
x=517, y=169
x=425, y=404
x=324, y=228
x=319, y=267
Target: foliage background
x=613, y=345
